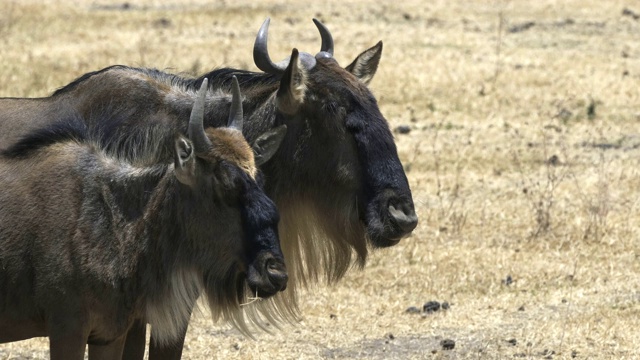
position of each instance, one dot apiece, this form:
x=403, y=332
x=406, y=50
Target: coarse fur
x=335, y=178
x=89, y=242
x=262, y=86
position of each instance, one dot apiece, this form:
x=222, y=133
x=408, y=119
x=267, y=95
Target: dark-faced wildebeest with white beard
x=89, y=243
x=337, y=179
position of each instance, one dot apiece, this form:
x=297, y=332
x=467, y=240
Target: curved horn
x=201, y=142
x=327, y=39
x=261, y=54
x=235, y=113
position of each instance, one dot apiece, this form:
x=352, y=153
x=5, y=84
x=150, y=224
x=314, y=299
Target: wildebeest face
x=384, y=196
x=335, y=109
x=218, y=166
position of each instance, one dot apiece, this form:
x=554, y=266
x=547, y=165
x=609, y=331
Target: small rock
x=431, y=307
x=554, y=160
x=521, y=27
x=445, y=305
x=591, y=110
x=448, y=344
x=508, y=280
x=333, y=316
x=521, y=308
x=390, y=336
x=512, y=342
x=632, y=14
x=162, y=23
x=548, y=354
x=574, y=354
x=412, y=310
x=403, y=129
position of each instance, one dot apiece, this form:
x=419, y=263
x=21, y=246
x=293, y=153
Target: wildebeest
x=89, y=243
x=337, y=179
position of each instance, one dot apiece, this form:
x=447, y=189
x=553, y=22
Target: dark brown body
x=337, y=179
x=90, y=243
x=58, y=279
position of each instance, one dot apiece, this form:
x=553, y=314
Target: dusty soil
x=521, y=141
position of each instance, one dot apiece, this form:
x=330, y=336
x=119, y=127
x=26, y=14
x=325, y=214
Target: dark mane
x=108, y=128
x=71, y=128
x=219, y=78
x=72, y=85
x=222, y=78
x=116, y=131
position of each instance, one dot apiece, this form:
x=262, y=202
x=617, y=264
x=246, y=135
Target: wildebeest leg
x=67, y=341
x=135, y=342
x=112, y=351
x=171, y=351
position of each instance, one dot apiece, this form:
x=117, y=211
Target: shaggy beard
x=318, y=245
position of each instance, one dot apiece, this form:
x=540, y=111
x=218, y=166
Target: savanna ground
x=522, y=155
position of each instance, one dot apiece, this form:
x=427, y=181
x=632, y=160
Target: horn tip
x=235, y=84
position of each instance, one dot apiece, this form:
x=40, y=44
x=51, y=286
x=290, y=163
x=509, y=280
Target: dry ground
x=523, y=158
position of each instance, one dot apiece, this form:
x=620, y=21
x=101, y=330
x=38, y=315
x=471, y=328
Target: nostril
x=395, y=213
x=277, y=273
x=271, y=264
x=406, y=221
x=278, y=279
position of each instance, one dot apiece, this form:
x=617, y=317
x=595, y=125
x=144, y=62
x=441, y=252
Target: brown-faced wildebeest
x=336, y=179
x=90, y=242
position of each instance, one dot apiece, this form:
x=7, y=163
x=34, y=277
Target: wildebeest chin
x=336, y=179
x=90, y=242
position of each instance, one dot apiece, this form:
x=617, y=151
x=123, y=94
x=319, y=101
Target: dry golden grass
x=523, y=160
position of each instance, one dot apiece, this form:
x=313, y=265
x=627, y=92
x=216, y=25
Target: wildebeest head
x=220, y=160
x=330, y=108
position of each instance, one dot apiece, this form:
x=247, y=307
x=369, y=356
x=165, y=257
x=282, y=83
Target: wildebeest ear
x=292, y=86
x=267, y=144
x=366, y=64
x=184, y=161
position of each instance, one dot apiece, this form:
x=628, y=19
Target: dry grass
x=523, y=159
